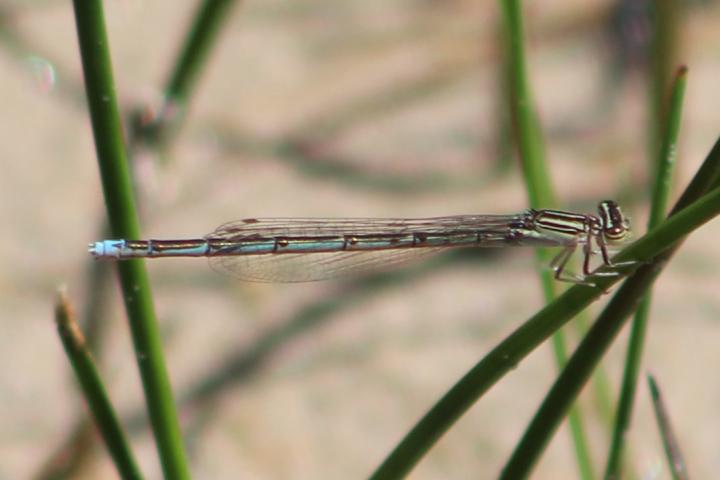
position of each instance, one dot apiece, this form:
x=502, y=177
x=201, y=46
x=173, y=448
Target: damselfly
x=300, y=250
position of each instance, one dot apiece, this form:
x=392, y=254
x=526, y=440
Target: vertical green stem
x=666, y=18
x=528, y=135
x=661, y=192
x=524, y=116
x=124, y=223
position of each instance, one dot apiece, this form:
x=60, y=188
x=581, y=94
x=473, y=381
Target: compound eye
x=615, y=233
x=615, y=223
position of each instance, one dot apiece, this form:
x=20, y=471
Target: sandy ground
x=393, y=90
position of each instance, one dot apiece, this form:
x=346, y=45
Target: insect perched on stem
x=307, y=249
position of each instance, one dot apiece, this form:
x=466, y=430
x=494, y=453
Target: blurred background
x=339, y=109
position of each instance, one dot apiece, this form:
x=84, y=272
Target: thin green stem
x=668, y=151
x=124, y=223
x=661, y=193
x=528, y=134
x=674, y=456
x=601, y=335
x=157, y=130
x=666, y=19
x=179, y=87
x=94, y=391
x=524, y=117
x=514, y=348
x=195, y=49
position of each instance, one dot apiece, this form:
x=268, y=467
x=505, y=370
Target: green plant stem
x=157, y=130
x=528, y=134
x=598, y=339
x=193, y=54
x=514, y=348
x=571, y=380
x=124, y=223
x=658, y=206
x=87, y=374
x=523, y=113
x=676, y=462
x=666, y=19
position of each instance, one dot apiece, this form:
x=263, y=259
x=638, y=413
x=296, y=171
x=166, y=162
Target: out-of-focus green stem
x=600, y=336
x=666, y=18
x=157, y=129
x=87, y=374
x=527, y=126
x=206, y=25
x=661, y=192
x=528, y=135
x=676, y=461
x=513, y=349
x=124, y=223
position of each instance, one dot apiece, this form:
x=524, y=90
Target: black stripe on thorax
x=563, y=221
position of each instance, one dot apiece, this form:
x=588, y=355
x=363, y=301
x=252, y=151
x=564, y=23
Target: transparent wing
x=308, y=267
x=308, y=227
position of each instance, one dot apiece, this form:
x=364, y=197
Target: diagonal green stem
x=601, y=335
x=206, y=25
x=94, y=391
x=676, y=461
x=124, y=223
x=520, y=343
x=197, y=45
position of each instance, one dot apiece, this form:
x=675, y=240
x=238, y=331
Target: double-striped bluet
x=300, y=250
